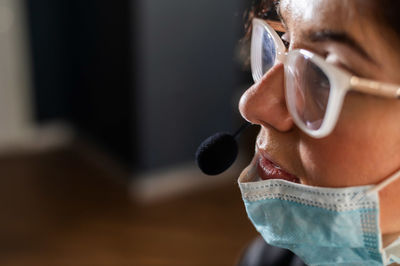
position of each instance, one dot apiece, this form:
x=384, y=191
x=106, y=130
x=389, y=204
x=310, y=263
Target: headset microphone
x=218, y=152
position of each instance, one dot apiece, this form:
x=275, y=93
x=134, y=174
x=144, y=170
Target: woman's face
x=364, y=147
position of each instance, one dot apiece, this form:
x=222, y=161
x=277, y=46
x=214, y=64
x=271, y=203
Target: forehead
x=355, y=18
x=332, y=13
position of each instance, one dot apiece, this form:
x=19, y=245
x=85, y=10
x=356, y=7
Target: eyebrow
x=329, y=35
x=339, y=37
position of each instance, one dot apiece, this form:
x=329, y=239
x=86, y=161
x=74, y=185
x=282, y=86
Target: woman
x=324, y=181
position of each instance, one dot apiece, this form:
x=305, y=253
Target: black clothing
x=259, y=253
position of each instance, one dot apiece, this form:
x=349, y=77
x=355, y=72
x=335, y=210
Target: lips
x=268, y=170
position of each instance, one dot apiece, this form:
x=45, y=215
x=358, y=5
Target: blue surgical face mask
x=323, y=226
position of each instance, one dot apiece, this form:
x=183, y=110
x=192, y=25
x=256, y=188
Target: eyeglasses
x=314, y=89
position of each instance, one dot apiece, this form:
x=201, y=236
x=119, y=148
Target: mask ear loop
x=385, y=182
x=379, y=186
x=376, y=188
x=392, y=252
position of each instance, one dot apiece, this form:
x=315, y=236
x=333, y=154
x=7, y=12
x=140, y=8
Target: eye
x=285, y=39
x=286, y=43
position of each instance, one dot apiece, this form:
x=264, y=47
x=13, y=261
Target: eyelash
x=286, y=43
x=285, y=40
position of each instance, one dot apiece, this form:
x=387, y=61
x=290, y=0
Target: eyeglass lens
x=268, y=52
x=307, y=89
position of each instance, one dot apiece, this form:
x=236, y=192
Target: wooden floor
x=59, y=208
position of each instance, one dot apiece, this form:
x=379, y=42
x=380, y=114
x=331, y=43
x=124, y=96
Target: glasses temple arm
x=276, y=25
x=375, y=88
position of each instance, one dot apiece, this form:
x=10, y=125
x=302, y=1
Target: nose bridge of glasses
x=281, y=57
x=279, y=45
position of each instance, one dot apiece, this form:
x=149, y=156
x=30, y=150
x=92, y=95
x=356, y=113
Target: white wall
x=15, y=100
x=18, y=131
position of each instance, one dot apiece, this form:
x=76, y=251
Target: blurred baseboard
x=36, y=138
x=155, y=186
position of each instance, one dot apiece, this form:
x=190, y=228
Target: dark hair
x=384, y=12
x=265, y=9
x=259, y=9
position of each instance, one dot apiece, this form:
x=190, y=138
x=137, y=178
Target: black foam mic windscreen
x=218, y=152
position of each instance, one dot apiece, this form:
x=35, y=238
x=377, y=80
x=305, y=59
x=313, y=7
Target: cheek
x=333, y=161
x=361, y=150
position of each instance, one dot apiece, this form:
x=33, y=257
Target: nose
x=264, y=103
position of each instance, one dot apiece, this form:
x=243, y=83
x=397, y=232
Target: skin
x=364, y=147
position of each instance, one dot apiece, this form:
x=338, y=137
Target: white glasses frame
x=341, y=81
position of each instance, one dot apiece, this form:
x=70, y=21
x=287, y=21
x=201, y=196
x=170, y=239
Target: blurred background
x=102, y=107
